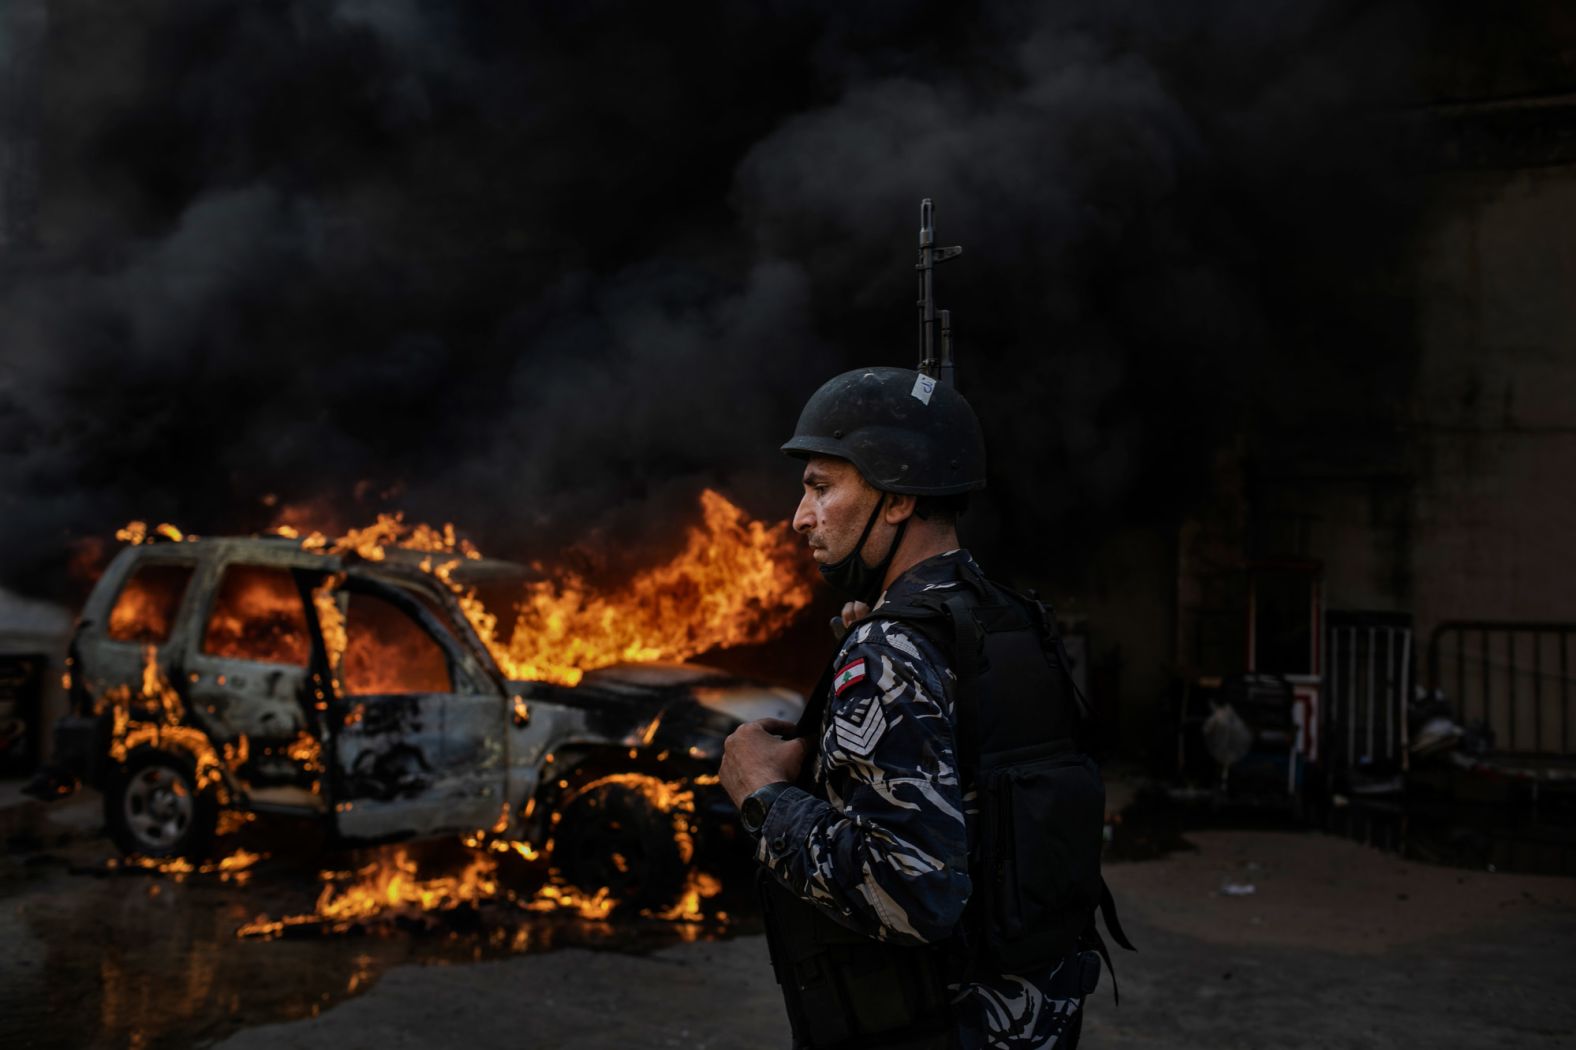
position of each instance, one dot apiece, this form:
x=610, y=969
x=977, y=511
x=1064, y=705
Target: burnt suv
x=253, y=675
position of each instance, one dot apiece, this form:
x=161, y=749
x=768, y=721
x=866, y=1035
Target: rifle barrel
x=926, y=302
x=948, y=373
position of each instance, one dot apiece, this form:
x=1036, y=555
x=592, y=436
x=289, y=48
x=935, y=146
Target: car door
x=149, y=611
x=416, y=735
x=247, y=672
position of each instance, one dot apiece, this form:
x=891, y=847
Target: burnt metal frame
x=1486, y=629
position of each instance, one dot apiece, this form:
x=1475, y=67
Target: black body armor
x=1035, y=864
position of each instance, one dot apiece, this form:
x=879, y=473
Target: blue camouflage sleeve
x=887, y=855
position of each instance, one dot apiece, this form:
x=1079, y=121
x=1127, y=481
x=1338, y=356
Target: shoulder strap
x=1053, y=639
x=1093, y=936
x=967, y=636
x=1113, y=926
x=954, y=624
x=924, y=612
x=1112, y=922
x=809, y=727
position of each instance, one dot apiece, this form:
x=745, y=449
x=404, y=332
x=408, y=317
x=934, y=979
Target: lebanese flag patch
x=854, y=672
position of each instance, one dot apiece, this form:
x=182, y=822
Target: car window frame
x=462, y=679
x=215, y=584
x=194, y=565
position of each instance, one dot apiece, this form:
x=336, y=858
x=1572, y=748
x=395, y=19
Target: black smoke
x=546, y=269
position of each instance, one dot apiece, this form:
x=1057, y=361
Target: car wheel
x=153, y=807
x=611, y=835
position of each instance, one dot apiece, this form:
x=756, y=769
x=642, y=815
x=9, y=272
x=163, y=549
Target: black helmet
x=906, y=433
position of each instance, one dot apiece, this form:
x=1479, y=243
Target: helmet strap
x=850, y=576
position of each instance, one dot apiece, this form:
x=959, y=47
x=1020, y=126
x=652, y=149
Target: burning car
x=268, y=675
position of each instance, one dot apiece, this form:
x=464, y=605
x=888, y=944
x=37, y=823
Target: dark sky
x=546, y=269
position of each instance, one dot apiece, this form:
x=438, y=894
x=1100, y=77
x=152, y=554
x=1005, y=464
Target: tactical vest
x=1035, y=861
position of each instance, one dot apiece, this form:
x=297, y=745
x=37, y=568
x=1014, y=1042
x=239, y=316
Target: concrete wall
x=1131, y=607
x=1463, y=505
x=1494, y=415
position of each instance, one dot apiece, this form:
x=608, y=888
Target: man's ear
x=898, y=508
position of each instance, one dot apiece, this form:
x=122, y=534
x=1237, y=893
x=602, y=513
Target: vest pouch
x=846, y=990
x=1043, y=817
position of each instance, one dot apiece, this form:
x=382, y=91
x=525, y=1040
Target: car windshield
x=501, y=597
x=498, y=586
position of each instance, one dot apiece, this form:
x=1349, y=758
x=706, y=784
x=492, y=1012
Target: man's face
x=832, y=513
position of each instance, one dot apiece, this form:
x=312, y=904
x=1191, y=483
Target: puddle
x=99, y=955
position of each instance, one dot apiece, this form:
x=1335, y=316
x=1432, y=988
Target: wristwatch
x=753, y=810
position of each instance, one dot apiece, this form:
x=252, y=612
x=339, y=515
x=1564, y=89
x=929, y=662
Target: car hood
x=651, y=687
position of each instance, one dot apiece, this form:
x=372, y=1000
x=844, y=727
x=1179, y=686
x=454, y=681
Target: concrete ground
x=1336, y=945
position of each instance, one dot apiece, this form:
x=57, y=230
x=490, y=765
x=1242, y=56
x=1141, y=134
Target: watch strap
x=758, y=803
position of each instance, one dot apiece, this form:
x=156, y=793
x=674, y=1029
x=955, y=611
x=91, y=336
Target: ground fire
x=588, y=707
x=392, y=887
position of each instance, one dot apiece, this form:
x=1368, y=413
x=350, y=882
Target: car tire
x=152, y=807
x=610, y=835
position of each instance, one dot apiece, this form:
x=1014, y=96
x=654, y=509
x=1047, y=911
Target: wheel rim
x=608, y=824
x=615, y=837
x=158, y=806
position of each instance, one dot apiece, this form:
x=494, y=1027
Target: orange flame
x=393, y=886
x=389, y=530
x=153, y=717
x=257, y=615
x=305, y=751
x=675, y=798
x=234, y=867
x=330, y=619
x=734, y=583
x=145, y=609
x=380, y=888
x=137, y=532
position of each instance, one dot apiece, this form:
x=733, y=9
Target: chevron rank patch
x=860, y=725
x=854, y=672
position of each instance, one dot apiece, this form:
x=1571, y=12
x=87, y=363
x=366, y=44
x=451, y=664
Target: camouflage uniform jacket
x=882, y=843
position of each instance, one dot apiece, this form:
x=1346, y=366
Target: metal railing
x=1513, y=677
x=1367, y=679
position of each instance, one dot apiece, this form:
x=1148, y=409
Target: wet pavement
x=102, y=954
x=1250, y=936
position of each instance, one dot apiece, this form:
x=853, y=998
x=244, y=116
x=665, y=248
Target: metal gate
x=1368, y=678
x=1512, y=677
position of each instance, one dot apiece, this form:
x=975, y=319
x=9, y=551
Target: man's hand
x=853, y=612
x=756, y=754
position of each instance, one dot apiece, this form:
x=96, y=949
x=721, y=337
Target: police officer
x=865, y=819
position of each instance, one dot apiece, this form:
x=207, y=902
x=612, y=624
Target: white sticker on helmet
x=924, y=386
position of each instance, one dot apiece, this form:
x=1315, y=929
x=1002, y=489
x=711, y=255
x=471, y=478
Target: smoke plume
x=547, y=269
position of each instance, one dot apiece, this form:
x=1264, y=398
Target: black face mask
x=851, y=577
